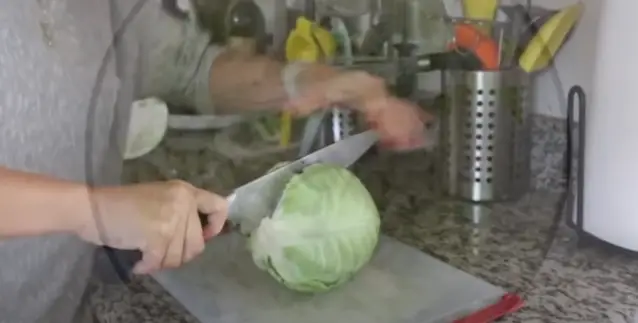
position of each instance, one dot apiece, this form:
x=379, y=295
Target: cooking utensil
x=500, y=48
x=308, y=42
x=252, y=202
x=457, y=59
x=500, y=16
x=423, y=24
x=517, y=18
x=401, y=284
x=335, y=123
x=375, y=38
x=470, y=38
x=533, y=18
x=481, y=10
x=147, y=126
x=508, y=304
x=389, y=69
x=550, y=38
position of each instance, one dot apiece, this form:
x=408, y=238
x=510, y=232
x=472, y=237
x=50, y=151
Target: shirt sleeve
x=174, y=57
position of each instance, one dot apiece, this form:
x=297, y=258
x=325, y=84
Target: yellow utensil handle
x=286, y=129
x=481, y=10
x=309, y=43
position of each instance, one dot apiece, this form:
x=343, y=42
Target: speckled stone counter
x=513, y=245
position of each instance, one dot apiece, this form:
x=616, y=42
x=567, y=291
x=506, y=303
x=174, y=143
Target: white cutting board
x=400, y=285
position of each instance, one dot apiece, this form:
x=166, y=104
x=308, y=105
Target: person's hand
x=159, y=219
x=399, y=122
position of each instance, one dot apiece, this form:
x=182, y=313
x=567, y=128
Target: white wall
x=574, y=62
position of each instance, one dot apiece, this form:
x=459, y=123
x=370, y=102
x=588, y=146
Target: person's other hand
x=400, y=123
x=159, y=219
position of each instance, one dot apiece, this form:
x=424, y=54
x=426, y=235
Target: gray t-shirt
x=54, y=56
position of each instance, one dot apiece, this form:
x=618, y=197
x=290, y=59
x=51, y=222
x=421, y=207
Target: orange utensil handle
x=468, y=37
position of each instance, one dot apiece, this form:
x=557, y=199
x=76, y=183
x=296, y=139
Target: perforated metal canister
x=326, y=128
x=485, y=134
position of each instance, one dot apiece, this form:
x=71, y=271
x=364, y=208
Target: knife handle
x=508, y=304
x=203, y=219
x=123, y=261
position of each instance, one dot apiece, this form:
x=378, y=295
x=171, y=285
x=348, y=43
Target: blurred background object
x=399, y=40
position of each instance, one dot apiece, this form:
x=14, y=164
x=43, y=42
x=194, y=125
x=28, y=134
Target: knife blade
x=258, y=199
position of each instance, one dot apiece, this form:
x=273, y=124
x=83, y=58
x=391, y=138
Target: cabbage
x=324, y=229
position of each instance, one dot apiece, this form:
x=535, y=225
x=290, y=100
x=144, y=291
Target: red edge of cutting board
x=508, y=304
x=468, y=37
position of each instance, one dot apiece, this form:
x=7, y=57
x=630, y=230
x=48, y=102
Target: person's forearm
x=241, y=82
x=179, y=66
x=174, y=58
x=35, y=205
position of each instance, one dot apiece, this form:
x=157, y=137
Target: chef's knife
x=252, y=202
x=256, y=200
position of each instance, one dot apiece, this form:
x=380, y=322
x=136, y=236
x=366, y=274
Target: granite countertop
x=512, y=245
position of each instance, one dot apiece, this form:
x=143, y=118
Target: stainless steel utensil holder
x=339, y=124
x=485, y=134
x=326, y=128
